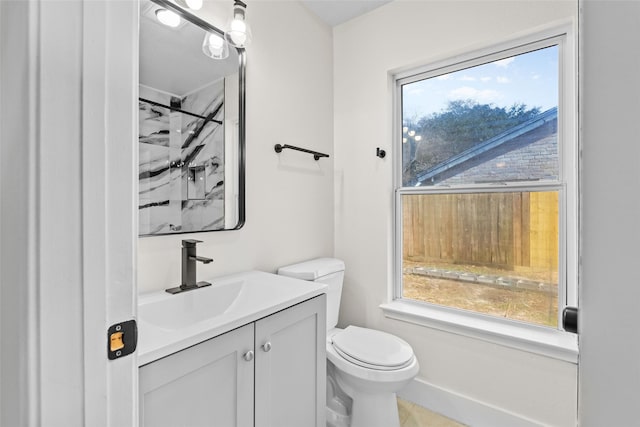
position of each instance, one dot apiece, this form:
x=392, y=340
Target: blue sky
x=530, y=78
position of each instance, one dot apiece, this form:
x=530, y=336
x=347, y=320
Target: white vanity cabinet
x=278, y=360
x=210, y=384
x=290, y=380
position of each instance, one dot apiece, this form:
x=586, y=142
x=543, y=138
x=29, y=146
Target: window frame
x=538, y=339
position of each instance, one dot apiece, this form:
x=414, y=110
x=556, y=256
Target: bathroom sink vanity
x=247, y=351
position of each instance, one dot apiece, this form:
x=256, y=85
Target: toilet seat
x=372, y=349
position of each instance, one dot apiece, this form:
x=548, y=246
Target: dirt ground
x=530, y=306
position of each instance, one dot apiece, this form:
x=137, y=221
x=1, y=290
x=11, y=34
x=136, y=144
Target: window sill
x=548, y=342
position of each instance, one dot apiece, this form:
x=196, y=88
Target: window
x=486, y=193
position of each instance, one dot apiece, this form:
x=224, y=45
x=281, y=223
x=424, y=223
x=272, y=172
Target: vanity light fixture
x=214, y=46
x=191, y=4
x=168, y=18
x=238, y=33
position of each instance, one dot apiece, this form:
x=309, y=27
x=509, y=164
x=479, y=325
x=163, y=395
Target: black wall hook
x=380, y=153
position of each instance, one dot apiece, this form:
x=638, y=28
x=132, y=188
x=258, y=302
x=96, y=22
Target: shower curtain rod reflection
x=157, y=104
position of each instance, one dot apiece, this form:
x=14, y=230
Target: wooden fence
x=506, y=230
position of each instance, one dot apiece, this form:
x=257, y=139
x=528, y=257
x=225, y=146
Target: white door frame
x=68, y=131
x=609, y=369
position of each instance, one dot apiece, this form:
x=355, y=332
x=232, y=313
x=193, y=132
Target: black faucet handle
x=190, y=243
x=201, y=259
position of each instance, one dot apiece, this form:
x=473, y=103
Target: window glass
x=493, y=253
x=494, y=122
x=464, y=245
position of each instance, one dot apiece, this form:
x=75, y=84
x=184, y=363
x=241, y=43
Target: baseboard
x=461, y=408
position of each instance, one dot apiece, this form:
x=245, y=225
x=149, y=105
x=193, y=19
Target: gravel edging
x=484, y=279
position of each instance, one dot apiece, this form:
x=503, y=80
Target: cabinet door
x=291, y=369
x=210, y=384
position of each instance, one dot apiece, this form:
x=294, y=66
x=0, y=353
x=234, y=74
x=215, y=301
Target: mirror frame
x=242, y=64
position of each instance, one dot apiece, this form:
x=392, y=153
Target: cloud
x=504, y=63
x=535, y=76
x=467, y=79
x=485, y=79
x=481, y=96
x=444, y=77
x=503, y=80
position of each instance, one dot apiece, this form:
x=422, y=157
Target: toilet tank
x=329, y=271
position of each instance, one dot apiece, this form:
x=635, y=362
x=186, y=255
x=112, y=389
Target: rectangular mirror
x=191, y=128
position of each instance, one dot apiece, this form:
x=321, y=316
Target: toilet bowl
x=366, y=367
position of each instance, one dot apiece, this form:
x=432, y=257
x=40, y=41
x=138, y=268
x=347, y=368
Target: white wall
x=290, y=195
x=609, y=344
x=366, y=50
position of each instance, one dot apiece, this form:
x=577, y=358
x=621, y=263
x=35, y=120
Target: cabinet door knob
x=266, y=346
x=248, y=356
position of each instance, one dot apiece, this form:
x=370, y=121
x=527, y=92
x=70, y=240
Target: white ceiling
x=335, y=12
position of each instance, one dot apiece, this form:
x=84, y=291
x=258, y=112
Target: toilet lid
x=313, y=269
x=372, y=349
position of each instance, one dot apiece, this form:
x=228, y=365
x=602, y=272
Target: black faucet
x=189, y=259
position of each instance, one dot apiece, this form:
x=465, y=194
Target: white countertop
x=170, y=323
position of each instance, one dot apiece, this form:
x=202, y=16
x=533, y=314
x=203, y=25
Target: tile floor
x=412, y=415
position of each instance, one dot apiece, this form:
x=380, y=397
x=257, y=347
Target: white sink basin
x=169, y=323
x=191, y=307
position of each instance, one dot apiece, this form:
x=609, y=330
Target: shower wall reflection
x=181, y=168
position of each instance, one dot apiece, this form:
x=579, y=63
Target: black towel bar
x=316, y=155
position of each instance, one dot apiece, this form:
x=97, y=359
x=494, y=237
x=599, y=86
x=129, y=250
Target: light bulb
x=405, y=129
x=239, y=33
x=214, y=46
x=412, y=132
x=418, y=137
x=168, y=17
x=215, y=41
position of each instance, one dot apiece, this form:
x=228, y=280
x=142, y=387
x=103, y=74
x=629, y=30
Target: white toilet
x=366, y=367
